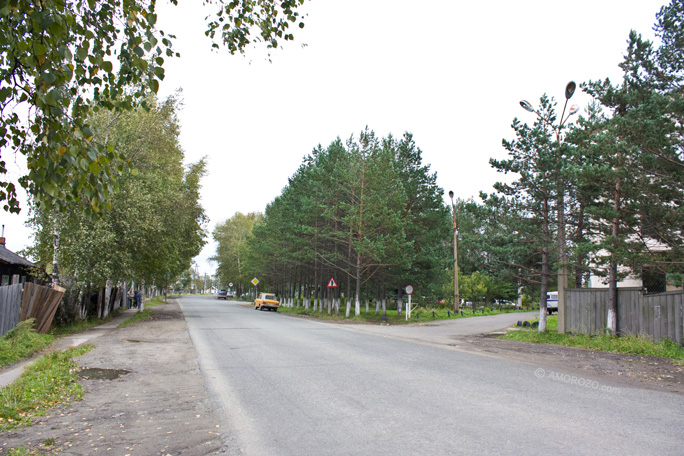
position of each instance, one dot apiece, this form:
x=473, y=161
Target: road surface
x=295, y=386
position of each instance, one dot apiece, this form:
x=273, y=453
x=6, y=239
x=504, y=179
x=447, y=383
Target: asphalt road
x=293, y=386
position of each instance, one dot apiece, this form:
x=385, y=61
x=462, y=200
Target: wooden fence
x=23, y=301
x=661, y=315
x=10, y=307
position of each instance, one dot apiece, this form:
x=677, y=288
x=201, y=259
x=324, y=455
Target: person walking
x=138, y=299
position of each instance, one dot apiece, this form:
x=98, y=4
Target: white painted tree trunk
x=107, y=296
x=611, y=322
x=542, y=318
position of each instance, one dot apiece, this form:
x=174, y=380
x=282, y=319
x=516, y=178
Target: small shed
x=12, y=264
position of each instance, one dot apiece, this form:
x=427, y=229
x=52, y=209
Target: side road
x=144, y=395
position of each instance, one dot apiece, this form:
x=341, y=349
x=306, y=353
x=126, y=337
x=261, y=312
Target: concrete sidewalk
x=14, y=371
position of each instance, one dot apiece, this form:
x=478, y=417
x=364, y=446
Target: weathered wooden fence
x=661, y=315
x=35, y=301
x=40, y=303
x=10, y=307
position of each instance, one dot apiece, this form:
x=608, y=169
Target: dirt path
x=144, y=396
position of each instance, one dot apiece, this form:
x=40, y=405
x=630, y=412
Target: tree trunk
x=357, y=302
x=611, y=321
x=100, y=302
x=55, y=250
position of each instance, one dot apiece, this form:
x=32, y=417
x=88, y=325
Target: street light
x=569, y=92
x=453, y=216
x=562, y=270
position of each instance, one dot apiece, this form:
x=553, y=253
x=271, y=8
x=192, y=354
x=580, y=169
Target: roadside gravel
x=144, y=395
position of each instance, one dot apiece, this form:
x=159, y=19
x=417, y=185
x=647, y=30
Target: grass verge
x=419, y=314
x=633, y=344
x=50, y=381
x=140, y=316
x=83, y=325
x=22, y=342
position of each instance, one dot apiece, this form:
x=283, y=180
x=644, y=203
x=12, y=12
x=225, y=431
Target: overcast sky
x=450, y=72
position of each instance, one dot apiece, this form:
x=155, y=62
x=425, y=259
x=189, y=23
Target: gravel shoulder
x=144, y=395
x=646, y=372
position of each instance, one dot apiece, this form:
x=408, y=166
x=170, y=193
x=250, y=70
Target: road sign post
x=255, y=281
x=331, y=292
x=409, y=292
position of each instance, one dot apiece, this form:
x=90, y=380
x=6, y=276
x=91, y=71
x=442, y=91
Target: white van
x=551, y=302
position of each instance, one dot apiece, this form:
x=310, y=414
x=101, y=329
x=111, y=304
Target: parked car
x=230, y=295
x=222, y=294
x=267, y=301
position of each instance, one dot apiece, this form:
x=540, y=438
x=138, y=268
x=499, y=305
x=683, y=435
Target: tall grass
x=51, y=380
x=635, y=344
x=22, y=342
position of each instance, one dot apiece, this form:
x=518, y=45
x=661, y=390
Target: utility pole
x=560, y=236
x=453, y=216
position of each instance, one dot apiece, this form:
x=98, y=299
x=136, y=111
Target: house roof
x=7, y=256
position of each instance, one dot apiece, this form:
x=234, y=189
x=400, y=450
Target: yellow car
x=267, y=301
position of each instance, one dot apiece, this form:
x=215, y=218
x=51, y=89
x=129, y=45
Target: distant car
x=230, y=295
x=267, y=301
x=222, y=294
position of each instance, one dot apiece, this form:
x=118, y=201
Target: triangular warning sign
x=332, y=283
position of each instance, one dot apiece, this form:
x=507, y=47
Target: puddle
x=96, y=373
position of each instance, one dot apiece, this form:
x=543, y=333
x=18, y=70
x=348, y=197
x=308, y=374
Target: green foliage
x=235, y=22
x=62, y=61
x=155, y=224
x=636, y=158
x=366, y=211
x=616, y=176
x=50, y=381
x=232, y=237
x=474, y=287
x=55, y=57
x=22, y=342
